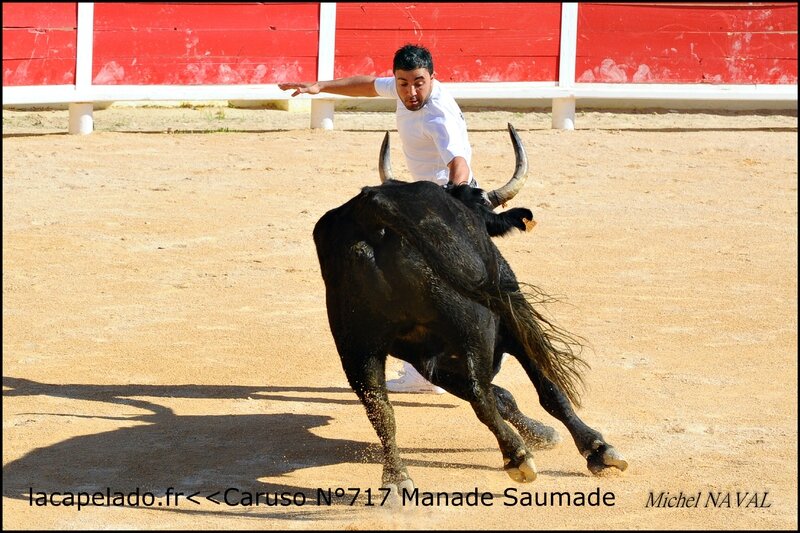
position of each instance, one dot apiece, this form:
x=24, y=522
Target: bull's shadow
x=191, y=453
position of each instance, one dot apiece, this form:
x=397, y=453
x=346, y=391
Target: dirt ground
x=164, y=322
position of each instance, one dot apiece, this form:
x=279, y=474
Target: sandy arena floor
x=164, y=321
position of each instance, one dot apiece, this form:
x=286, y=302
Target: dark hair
x=411, y=57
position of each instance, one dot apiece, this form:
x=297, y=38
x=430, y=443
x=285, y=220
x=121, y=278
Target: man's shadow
x=203, y=453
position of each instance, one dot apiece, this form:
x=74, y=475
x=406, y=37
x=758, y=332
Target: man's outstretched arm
x=352, y=86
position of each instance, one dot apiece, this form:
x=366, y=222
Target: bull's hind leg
x=537, y=436
x=366, y=375
x=599, y=455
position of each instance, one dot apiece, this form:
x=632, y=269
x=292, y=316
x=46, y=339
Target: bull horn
x=384, y=161
x=509, y=190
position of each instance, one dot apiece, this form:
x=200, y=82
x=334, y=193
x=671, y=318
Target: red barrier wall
x=204, y=44
x=39, y=43
x=252, y=43
x=684, y=43
x=469, y=42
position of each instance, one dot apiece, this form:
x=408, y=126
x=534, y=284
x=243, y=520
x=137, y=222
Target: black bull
x=410, y=270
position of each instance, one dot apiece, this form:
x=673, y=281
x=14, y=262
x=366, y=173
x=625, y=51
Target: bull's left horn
x=384, y=161
x=514, y=185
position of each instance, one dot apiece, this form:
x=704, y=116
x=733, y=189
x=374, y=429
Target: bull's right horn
x=384, y=161
x=509, y=190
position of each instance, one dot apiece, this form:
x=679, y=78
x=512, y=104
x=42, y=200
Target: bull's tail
x=555, y=352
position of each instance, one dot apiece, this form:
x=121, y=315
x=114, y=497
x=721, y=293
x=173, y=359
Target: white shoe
x=410, y=380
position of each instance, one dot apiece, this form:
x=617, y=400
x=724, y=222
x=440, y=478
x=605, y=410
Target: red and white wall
x=89, y=52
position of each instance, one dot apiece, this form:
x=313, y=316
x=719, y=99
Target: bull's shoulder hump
x=397, y=187
x=402, y=192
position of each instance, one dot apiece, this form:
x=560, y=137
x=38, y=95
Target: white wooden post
x=564, y=108
x=322, y=109
x=81, y=120
x=564, y=113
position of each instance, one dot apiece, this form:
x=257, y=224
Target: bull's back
x=391, y=250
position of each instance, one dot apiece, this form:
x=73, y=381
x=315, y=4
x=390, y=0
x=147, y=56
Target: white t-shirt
x=431, y=136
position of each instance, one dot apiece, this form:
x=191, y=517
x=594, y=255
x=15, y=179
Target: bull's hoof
x=538, y=436
x=603, y=457
x=395, y=496
x=522, y=470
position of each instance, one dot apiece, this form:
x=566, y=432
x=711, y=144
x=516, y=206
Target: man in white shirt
x=432, y=131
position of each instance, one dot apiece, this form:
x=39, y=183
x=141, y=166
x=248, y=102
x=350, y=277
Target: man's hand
x=301, y=88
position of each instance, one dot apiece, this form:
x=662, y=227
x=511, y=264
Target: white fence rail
x=564, y=93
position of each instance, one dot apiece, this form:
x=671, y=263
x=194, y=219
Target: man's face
x=414, y=87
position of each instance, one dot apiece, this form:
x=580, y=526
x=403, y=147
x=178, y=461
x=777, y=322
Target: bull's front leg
x=537, y=436
x=367, y=378
x=600, y=455
x=517, y=459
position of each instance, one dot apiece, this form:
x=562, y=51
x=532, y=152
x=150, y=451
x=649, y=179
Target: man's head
x=413, y=73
